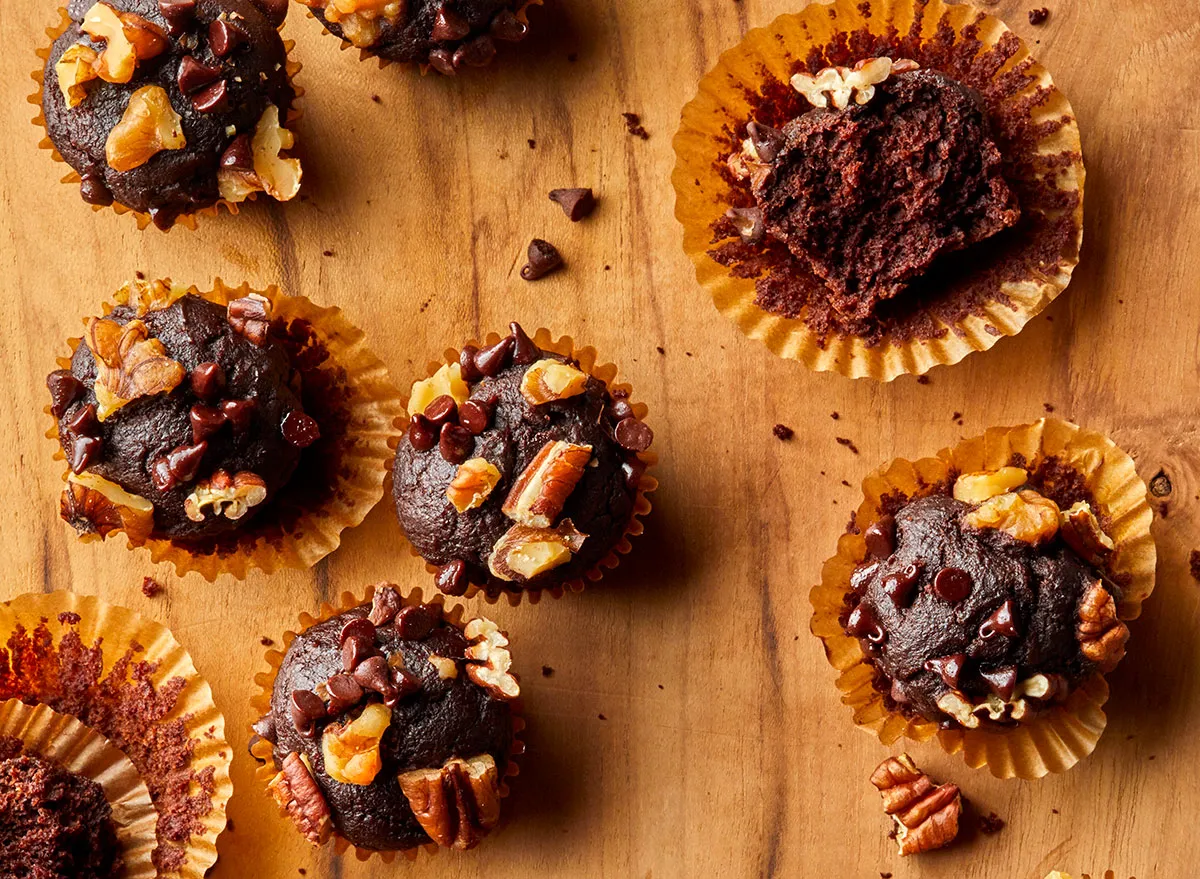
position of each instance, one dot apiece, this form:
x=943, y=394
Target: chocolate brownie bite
x=166, y=107
x=520, y=470
x=987, y=603
x=445, y=35
x=392, y=726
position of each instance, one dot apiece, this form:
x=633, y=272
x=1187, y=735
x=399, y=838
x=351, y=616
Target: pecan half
x=93, y=505
x=129, y=364
x=230, y=496
x=1102, y=635
x=457, y=804
x=472, y=484
x=523, y=553
x=298, y=795
x=250, y=316
x=1024, y=516
x=548, y=380
x=1082, y=532
x=926, y=814
x=538, y=495
x=488, y=659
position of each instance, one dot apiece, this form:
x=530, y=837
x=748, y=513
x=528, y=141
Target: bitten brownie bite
x=167, y=106
x=445, y=35
x=519, y=471
x=180, y=422
x=986, y=604
x=393, y=727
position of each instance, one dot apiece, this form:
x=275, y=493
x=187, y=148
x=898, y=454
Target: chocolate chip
x=449, y=26
x=305, y=708
x=264, y=728
x=544, y=258
x=442, y=61
x=880, y=537
x=576, y=203
x=862, y=624
x=224, y=37
x=1003, y=681
x=384, y=606
x=620, y=409
x=84, y=422
x=177, y=467
x=374, y=674
x=1001, y=622
x=466, y=364
x=404, y=684
x=239, y=155
x=900, y=585
x=206, y=420
x=415, y=622
x=748, y=222
x=492, y=360
x=452, y=578
x=85, y=450
x=767, y=141
x=524, y=351
x=274, y=10
x=474, y=416
x=344, y=693
x=507, y=27
x=179, y=14
x=239, y=413
x=949, y=667
x=360, y=627
x=195, y=75
x=455, y=443
x=477, y=53
x=94, y=190
x=421, y=434
x=299, y=429
x=633, y=470
x=952, y=584
x=214, y=99
x=208, y=380
x=64, y=390
x=443, y=410
x=354, y=651
x=633, y=435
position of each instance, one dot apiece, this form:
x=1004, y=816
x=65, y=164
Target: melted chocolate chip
x=576, y=203
x=84, y=422
x=208, y=380
x=375, y=675
x=206, y=420
x=543, y=257
x=179, y=14
x=442, y=61
x=224, y=36
x=524, y=351
x=507, y=27
x=475, y=416
x=900, y=586
x=952, y=585
x=94, y=190
x=862, y=624
x=880, y=537
x=239, y=413
x=449, y=26
x=490, y=361
x=466, y=364
x=443, y=410
x=64, y=390
x=1001, y=622
x=177, y=467
x=633, y=435
x=414, y=623
x=344, y=692
x=455, y=443
x=305, y=708
x=949, y=667
x=359, y=627
x=452, y=578
x=421, y=433
x=354, y=651
x=85, y=451
x=214, y=99
x=620, y=409
x=477, y=53
x=1003, y=681
x=195, y=75
x=299, y=429
x=239, y=155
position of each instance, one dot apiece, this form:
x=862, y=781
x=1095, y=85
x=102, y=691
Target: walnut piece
x=229, y=496
x=351, y=750
x=457, y=804
x=472, y=484
x=548, y=380
x=839, y=84
x=975, y=488
x=129, y=364
x=74, y=69
x=447, y=381
x=93, y=505
x=523, y=553
x=538, y=495
x=488, y=659
x=926, y=814
x=1081, y=531
x=1024, y=516
x=149, y=126
x=360, y=20
x=298, y=795
x=128, y=39
x=272, y=172
x=1027, y=697
x=1101, y=633
x=446, y=668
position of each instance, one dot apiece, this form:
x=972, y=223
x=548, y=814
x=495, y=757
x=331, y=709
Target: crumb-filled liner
x=189, y=220
x=357, y=408
x=1058, y=738
x=456, y=615
x=128, y=679
x=65, y=741
x=589, y=362
x=963, y=42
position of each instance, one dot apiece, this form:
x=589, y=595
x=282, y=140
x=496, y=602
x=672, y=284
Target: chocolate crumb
x=572, y=58
x=602, y=717
x=1038, y=16
x=783, y=432
x=923, y=380
x=532, y=143
x=834, y=416
x=547, y=671
x=991, y=823
x=885, y=876
x=151, y=587
x=1055, y=811
x=140, y=275
x=845, y=483
x=377, y=99
x=266, y=642
x=660, y=686
x=843, y=441
x=327, y=253
x=1049, y=407
x=660, y=349
x=1194, y=564
x=633, y=123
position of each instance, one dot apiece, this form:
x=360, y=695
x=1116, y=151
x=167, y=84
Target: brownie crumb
x=377, y=99
x=885, y=876
x=140, y=275
x=845, y=483
x=151, y=587
x=547, y=671
x=266, y=642
x=834, y=416
x=783, y=432
x=660, y=686
x=532, y=143
x=602, y=717
x=1054, y=811
x=1038, y=16
x=843, y=441
x=633, y=123
x=1194, y=564
x=327, y=253
x=957, y=418
x=660, y=349
x=923, y=380
x=991, y=823
x=1049, y=407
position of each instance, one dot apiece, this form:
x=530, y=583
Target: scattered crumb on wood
x=1038, y=16
x=843, y=441
x=151, y=587
x=547, y=671
x=633, y=124
x=783, y=432
x=991, y=823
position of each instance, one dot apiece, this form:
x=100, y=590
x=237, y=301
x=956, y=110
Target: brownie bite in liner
x=445, y=35
x=393, y=726
x=167, y=106
x=519, y=470
x=984, y=604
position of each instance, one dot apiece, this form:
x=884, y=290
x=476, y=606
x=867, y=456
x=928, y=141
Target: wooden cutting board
x=690, y=726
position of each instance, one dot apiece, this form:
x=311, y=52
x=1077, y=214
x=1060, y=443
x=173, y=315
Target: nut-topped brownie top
x=984, y=605
x=518, y=470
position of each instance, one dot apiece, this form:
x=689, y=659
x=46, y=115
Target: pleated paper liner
x=607, y=373
x=128, y=679
x=65, y=741
x=1058, y=738
x=938, y=35
x=187, y=221
x=454, y=614
x=298, y=528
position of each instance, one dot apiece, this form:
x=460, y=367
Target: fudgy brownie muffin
x=446, y=35
x=393, y=727
x=187, y=417
x=984, y=604
x=518, y=471
x=54, y=824
x=166, y=106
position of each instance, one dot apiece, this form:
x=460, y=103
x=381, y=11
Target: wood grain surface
x=691, y=726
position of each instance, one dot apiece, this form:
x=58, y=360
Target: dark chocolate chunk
x=544, y=258
x=576, y=203
x=633, y=435
x=880, y=536
x=208, y=380
x=299, y=429
x=452, y=578
x=949, y=667
x=375, y=675
x=952, y=584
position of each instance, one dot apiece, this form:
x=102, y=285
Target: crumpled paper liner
x=721, y=105
x=65, y=741
x=262, y=750
x=605, y=372
x=187, y=221
x=370, y=410
x=1061, y=736
x=115, y=629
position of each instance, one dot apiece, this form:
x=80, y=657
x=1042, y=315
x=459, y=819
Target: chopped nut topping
x=926, y=814
x=351, y=750
x=298, y=795
x=250, y=316
x=129, y=364
x=447, y=381
x=975, y=488
x=93, y=505
x=472, y=484
x=1024, y=516
x=1081, y=531
x=457, y=804
x=1101, y=633
x=488, y=659
x=128, y=38
x=550, y=380
x=149, y=126
x=74, y=69
x=839, y=84
x=538, y=495
x=229, y=496
x=446, y=667
x=1037, y=689
x=523, y=553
